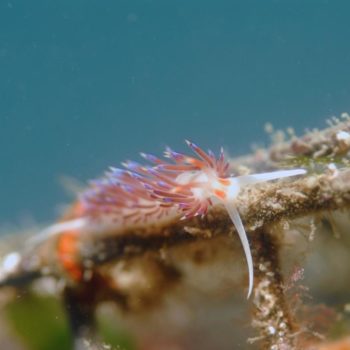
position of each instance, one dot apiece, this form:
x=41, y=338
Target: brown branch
x=259, y=206
x=332, y=141
x=271, y=314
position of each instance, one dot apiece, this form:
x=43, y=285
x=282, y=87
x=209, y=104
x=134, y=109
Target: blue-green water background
x=87, y=84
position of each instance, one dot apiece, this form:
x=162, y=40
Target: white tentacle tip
x=250, y=289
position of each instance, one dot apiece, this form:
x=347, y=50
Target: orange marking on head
x=219, y=193
x=225, y=182
x=67, y=251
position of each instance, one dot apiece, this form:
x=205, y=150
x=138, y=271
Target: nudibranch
x=176, y=185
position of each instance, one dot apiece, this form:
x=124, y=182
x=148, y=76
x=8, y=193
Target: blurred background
x=87, y=84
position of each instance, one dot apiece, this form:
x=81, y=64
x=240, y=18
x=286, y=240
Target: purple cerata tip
x=163, y=184
x=148, y=186
x=150, y=157
x=131, y=165
x=211, y=153
x=127, y=188
x=136, y=176
x=117, y=171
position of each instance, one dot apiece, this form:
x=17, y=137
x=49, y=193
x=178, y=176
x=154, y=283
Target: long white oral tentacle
x=256, y=178
x=236, y=219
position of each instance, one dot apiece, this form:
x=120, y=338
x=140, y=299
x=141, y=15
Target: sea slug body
x=177, y=185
